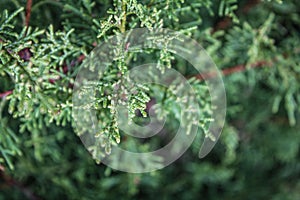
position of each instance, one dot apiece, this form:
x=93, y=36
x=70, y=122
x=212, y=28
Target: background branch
x=28, y=13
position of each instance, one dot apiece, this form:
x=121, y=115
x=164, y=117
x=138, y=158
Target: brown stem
x=28, y=13
x=4, y=94
x=240, y=68
x=232, y=70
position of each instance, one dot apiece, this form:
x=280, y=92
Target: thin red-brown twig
x=232, y=70
x=4, y=94
x=28, y=13
x=240, y=68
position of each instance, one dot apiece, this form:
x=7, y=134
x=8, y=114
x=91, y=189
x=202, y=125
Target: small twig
x=4, y=94
x=240, y=68
x=28, y=13
x=232, y=70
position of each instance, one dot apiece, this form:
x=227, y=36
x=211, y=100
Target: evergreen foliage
x=256, y=45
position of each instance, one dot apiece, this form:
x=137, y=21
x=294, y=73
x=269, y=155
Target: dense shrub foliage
x=256, y=44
